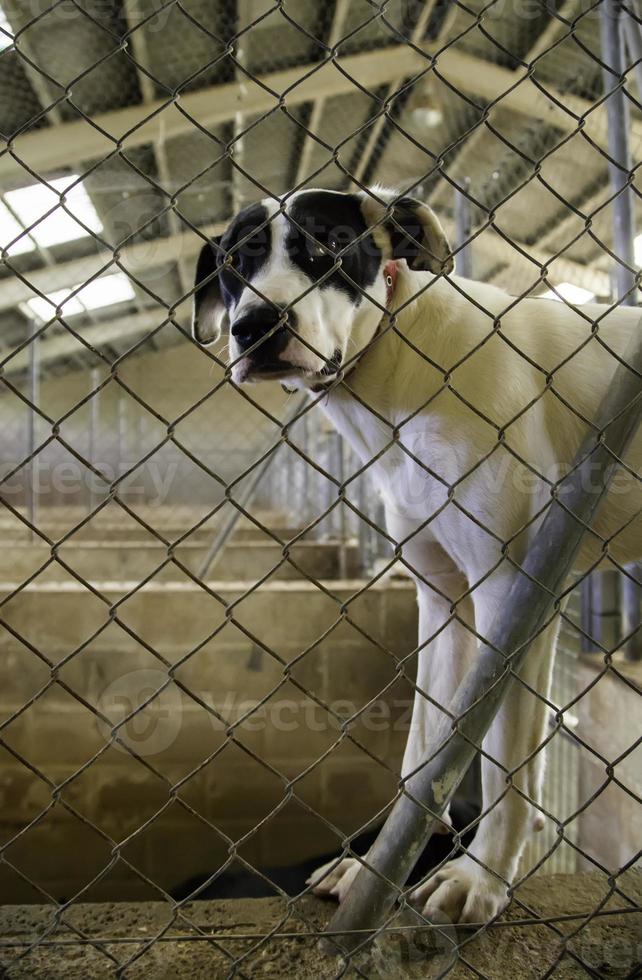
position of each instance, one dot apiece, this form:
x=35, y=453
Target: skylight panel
x=106, y=291
x=31, y=203
x=10, y=229
x=5, y=41
x=45, y=309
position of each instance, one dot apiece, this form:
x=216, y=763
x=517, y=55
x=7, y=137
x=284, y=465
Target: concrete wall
x=610, y=770
x=279, y=781
x=226, y=432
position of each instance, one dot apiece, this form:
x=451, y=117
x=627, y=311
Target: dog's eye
x=317, y=251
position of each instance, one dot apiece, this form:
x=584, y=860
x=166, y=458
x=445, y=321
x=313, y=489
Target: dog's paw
x=461, y=892
x=334, y=878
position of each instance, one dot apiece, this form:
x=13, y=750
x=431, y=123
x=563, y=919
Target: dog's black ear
x=209, y=314
x=413, y=230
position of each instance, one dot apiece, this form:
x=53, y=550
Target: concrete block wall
x=233, y=749
x=610, y=769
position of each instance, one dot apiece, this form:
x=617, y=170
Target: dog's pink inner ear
x=209, y=313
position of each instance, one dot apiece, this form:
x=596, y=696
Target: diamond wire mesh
x=319, y=477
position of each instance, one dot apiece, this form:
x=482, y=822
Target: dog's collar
x=390, y=273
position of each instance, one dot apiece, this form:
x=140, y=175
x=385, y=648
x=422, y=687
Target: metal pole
x=342, y=525
x=34, y=396
x=122, y=439
x=586, y=615
x=633, y=37
x=93, y=433
x=631, y=592
x=304, y=505
x=617, y=114
x=529, y=605
x=245, y=498
x=597, y=608
x=617, y=109
x=363, y=531
x=463, y=231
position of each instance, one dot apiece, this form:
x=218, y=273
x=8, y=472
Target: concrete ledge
x=134, y=560
x=609, y=945
x=61, y=616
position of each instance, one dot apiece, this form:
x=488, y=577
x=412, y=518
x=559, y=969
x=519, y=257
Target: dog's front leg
x=446, y=647
x=475, y=886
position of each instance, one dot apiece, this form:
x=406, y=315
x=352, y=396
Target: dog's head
x=301, y=288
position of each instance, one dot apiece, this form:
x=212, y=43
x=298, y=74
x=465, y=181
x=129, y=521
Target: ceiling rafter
x=141, y=57
x=376, y=130
x=467, y=152
x=337, y=27
x=46, y=150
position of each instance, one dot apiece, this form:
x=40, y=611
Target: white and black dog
x=481, y=401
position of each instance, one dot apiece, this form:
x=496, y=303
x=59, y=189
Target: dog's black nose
x=258, y=322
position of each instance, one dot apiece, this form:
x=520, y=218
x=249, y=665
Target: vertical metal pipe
x=340, y=510
x=34, y=397
x=617, y=109
x=617, y=113
x=586, y=615
x=597, y=608
x=303, y=506
x=631, y=593
x=363, y=531
x=94, y=381
x=122, y=436
x=463, y=231
x=633, y=37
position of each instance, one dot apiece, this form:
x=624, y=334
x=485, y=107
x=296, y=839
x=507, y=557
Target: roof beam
x=48, y=149
x=132, y=258
x=337, y=27
x=467, y=152
x=377, y=128
x=98, y=335
x=141, y=57
x=501, y=253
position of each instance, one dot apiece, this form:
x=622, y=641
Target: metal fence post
x=613, y=24
x=94, y=418
x=463, y=231
x=618, y=122
x=633, y=37
x=528, y=607
x=34, y=397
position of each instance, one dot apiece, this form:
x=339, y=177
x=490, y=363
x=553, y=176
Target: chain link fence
x=208, y=628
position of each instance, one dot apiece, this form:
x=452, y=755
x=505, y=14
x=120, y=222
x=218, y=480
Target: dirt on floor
x=148, y=941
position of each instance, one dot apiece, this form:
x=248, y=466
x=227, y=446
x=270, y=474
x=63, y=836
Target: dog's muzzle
x=263, y=332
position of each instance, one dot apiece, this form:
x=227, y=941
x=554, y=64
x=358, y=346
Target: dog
x=469, y=405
